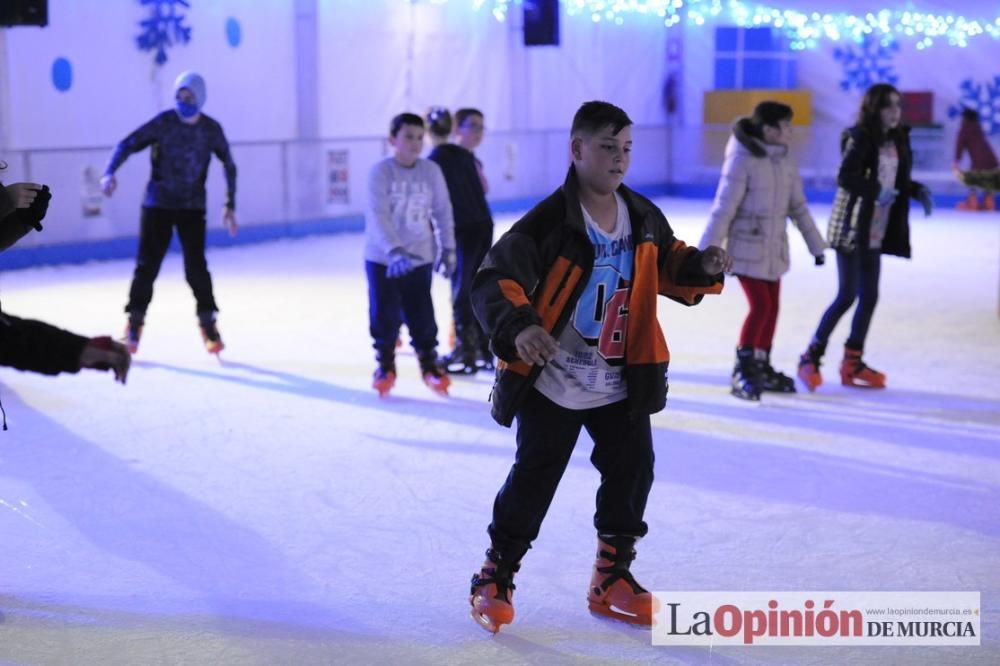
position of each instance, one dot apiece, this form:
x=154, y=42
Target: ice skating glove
x=103, y=353
x=33, y=215
x=886, y=196
x=925, y=199
x=399, y=264
x=820, y=259
x=446, y=263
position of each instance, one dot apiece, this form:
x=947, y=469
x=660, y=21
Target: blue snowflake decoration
x=983, y=98
x=163, y=28
x=869, y=64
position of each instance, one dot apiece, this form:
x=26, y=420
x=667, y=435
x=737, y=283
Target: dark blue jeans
x=155, y=232
x=471, y=249
x=546, y=436
x=392, y=301
x=858, y=272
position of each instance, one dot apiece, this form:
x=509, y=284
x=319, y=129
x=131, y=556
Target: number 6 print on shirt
x=601, y=316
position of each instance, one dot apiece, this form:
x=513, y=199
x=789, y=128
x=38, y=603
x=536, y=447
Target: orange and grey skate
x=614, y=592
x=809, y=364
x=491, y=596
x=384, y=379
x=210, y=335
x=434, y=377
x=133, y=331
x=854, y=372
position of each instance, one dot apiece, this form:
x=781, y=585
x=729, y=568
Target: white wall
x=382, y=57
x=373, y=59
x=116, y=87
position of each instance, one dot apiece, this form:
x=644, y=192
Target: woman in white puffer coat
x=759, y=190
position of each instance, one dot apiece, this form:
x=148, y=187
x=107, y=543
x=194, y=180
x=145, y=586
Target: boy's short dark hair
x=770, y=113
x=594, y=116
x=464, y=114
x=404, y=119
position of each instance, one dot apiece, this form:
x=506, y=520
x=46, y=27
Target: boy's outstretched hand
x=715, y=260
x=535, y=346
x=103, y=353
x=23, y=194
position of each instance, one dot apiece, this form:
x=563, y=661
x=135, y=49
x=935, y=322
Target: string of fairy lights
x=805, y=29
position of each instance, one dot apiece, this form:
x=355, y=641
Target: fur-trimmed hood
x=743, y=133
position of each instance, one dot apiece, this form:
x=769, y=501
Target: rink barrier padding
x=79, y=252
x=125, y=248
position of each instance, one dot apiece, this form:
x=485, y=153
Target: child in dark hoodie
x=184, y=140
x=473, y=229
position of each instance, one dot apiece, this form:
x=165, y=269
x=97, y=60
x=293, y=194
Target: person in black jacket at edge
x=32, y=345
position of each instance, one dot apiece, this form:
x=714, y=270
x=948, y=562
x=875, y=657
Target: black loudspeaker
x=541, y=22
x=24, y=12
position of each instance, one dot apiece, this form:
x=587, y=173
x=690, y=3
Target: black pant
x=391, y=301
x=858, y=272
x=156, y=230
x=471, y=249
x=546, y=435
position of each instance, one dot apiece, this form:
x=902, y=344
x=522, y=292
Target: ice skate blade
x=860, y=385
x=505, y=615
x=439, y=386
x=485, y=622
x=614, y=613
x=383, y=387
x=811, y=386
x=743, y=395
x=460, y=369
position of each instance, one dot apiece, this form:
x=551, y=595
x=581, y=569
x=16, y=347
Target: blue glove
x=925, y=199
x=399, y=264
x=446, y=263
x=820, y=259
x=886, y=197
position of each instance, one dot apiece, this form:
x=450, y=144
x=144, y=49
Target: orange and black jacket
x=536, y=272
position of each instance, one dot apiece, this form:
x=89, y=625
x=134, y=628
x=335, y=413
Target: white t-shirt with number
x=589, y=368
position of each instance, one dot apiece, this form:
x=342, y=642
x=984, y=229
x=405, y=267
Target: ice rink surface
x=272, y=510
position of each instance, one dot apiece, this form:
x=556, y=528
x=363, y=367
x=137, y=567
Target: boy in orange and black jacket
x=568, y=298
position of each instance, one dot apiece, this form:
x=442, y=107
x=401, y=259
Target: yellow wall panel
x=725, y=106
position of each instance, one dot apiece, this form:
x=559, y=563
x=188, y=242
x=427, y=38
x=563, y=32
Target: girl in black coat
x=870, y=218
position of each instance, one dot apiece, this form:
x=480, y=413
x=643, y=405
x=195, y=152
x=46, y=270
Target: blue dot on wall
x=62, y=74
x=233, y=33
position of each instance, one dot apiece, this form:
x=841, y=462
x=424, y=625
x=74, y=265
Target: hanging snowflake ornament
x=984, y=98
x=868, y=64
x=164, y=27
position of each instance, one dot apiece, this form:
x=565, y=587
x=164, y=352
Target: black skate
x=485, y=360
x=459, y=362
x=746, y=381
x=771, y=379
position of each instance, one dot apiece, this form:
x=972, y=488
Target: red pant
x=758, y=329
